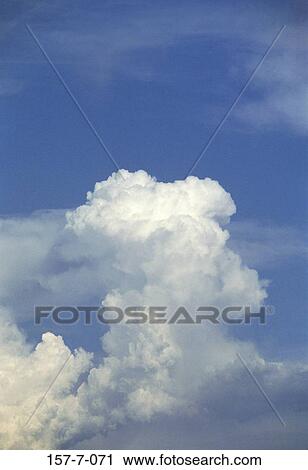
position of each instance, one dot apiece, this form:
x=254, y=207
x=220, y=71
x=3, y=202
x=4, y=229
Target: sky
x=155, y=79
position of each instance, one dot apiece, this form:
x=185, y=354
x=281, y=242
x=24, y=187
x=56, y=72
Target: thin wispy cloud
x=9, y=87
x=122, y=49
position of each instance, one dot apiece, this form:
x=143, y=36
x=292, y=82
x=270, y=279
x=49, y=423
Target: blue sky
x=155, y=79
x=155, y=82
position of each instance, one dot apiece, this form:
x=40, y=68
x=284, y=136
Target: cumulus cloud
x=135, y=241
x=25, y=375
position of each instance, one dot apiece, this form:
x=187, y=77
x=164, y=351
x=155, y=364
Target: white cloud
x=141, y=242
x=264, y=244
x=27, y=375
x=279, y=91
x=278, y=95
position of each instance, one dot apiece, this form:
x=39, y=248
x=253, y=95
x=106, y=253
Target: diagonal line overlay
x=229, y=111
x=74, y=99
